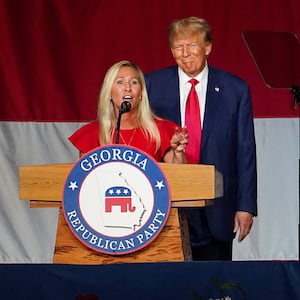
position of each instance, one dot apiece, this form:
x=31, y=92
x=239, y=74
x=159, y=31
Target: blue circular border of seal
x=101, y=242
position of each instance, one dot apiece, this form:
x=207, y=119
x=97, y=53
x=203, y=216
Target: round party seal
x=116, y=199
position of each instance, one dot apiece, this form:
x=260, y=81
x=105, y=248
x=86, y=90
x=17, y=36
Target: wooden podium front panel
x=171, y=244
x=190, y=185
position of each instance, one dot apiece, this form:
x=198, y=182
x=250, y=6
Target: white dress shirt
x=184, y=89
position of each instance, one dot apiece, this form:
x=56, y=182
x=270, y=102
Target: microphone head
x=125, y=107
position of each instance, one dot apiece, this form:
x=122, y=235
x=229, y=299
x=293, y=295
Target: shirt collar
x=201, y=77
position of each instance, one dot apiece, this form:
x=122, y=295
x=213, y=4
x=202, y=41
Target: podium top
x=186, y=181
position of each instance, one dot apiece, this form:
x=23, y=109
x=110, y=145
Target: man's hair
x=187, y=26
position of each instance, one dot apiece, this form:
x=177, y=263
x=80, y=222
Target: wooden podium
x=190, y=186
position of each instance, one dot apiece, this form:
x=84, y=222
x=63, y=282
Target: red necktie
x=193, y=124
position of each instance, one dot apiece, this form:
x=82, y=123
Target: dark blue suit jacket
x=227, y=141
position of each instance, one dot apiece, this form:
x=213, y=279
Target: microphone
x=125, y=107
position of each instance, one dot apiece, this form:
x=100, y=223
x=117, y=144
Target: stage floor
x=143, y=281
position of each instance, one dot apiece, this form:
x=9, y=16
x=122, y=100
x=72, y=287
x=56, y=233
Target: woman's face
x=126, y=87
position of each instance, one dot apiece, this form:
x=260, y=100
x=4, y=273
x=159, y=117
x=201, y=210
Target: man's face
x=190, y=53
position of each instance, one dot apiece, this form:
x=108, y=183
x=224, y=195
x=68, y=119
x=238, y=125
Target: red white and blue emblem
x=116, y=200
x=118, y=196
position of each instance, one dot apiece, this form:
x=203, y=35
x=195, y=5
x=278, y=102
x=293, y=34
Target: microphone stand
x=125, y=107
x=118, y=127
x=296, y=91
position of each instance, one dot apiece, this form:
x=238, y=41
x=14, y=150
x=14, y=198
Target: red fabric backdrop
x=54, y=53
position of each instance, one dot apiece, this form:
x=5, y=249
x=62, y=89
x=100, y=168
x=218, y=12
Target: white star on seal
x=159, y=185
x=73, y=185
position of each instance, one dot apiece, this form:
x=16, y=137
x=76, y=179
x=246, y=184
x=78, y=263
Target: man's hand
x=243, y=222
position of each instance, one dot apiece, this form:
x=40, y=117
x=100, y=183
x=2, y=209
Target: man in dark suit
x=227, y=131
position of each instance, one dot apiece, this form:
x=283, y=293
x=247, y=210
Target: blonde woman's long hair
x=106, y=113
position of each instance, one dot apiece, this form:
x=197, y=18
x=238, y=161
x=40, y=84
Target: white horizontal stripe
x=28, y=234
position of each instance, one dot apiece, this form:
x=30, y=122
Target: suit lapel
x=213, y=98
x=173, y=92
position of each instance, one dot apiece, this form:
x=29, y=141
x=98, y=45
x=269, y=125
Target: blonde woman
x=163, y=140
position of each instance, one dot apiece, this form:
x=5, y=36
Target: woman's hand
x=179, y=140
x=178, y=143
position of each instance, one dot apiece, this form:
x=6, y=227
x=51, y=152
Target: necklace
x=131, y=138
